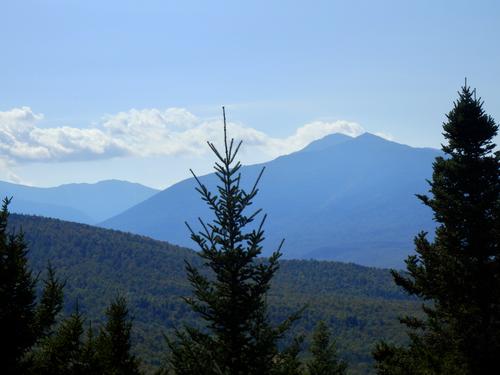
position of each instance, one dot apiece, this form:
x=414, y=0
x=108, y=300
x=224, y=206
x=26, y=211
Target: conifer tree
x=324, y=359
x=288, y=362
x=71, y=351
x=114, y=343
x=231, y=296
x=457, y=275
x=62, y=353
x=89, y=354
x=24, y=321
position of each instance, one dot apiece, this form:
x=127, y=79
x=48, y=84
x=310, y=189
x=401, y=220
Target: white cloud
x=7, y=173
x=387, y=136
x=147, y=132
x=316, y=130
x=21, y=140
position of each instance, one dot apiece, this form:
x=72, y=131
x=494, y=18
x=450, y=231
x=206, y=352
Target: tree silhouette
x=457, y=275
x=24, y=320
x=231, y=297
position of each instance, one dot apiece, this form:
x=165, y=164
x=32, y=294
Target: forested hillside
x=360, y=304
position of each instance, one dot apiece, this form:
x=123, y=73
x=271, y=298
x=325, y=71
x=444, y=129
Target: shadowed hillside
x=360, y=304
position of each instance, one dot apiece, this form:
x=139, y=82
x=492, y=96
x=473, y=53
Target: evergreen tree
x=114, y=347
x=51, y=303
x=62, y=353
x=457, y=275
x=231, y=297
x=70, y=351
x=89, y=354
x=23, y=320
x=324, y=360
x=288, y=362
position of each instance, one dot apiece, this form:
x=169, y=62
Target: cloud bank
x=143, y=133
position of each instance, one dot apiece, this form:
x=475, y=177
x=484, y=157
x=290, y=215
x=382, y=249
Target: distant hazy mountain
x=84, y=203
x=340, y=198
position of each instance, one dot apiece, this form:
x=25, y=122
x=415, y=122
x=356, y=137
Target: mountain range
x=83, y=203
x=340, y=198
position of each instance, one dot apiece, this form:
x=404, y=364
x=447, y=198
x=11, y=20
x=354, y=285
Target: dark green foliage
x=360, y=304
x=324, y=359
x=29, y=344
x=397, y=361
x=62, y=353
x=23, y=320
x=90, y=353
x=17, y=298
x=71, y=350
x=188, y=354
x=458, y=274
x=287, y=361
x=113, y=343
x=238, y=338
x=51, y=303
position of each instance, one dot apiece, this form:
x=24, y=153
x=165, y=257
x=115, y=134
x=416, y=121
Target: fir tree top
x=469, y=130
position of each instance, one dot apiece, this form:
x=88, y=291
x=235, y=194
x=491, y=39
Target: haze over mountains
x=83, y=203
x=340, y=198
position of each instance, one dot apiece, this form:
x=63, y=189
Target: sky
x=93, y=90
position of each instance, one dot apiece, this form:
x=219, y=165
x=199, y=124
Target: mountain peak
x=327, y=142
x=342, y=198
x=372, y=136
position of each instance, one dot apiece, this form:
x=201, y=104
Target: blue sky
x=72, y=72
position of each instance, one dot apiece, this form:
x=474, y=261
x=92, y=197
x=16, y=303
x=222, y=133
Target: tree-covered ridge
x=360, y=304
x=34, y=341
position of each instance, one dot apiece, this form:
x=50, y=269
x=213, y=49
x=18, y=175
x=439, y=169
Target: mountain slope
x=85, y=203
x=341, y=198
x=360, y=304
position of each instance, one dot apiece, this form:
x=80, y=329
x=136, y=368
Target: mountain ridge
x=351, y=201
x=80, y=202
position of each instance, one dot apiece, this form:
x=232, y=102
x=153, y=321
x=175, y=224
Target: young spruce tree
x=62, y=353
x=324, y=359
x=114, y=341
x=24, y=320
x=457, y=275
x=231, y=296
x=72, y=351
